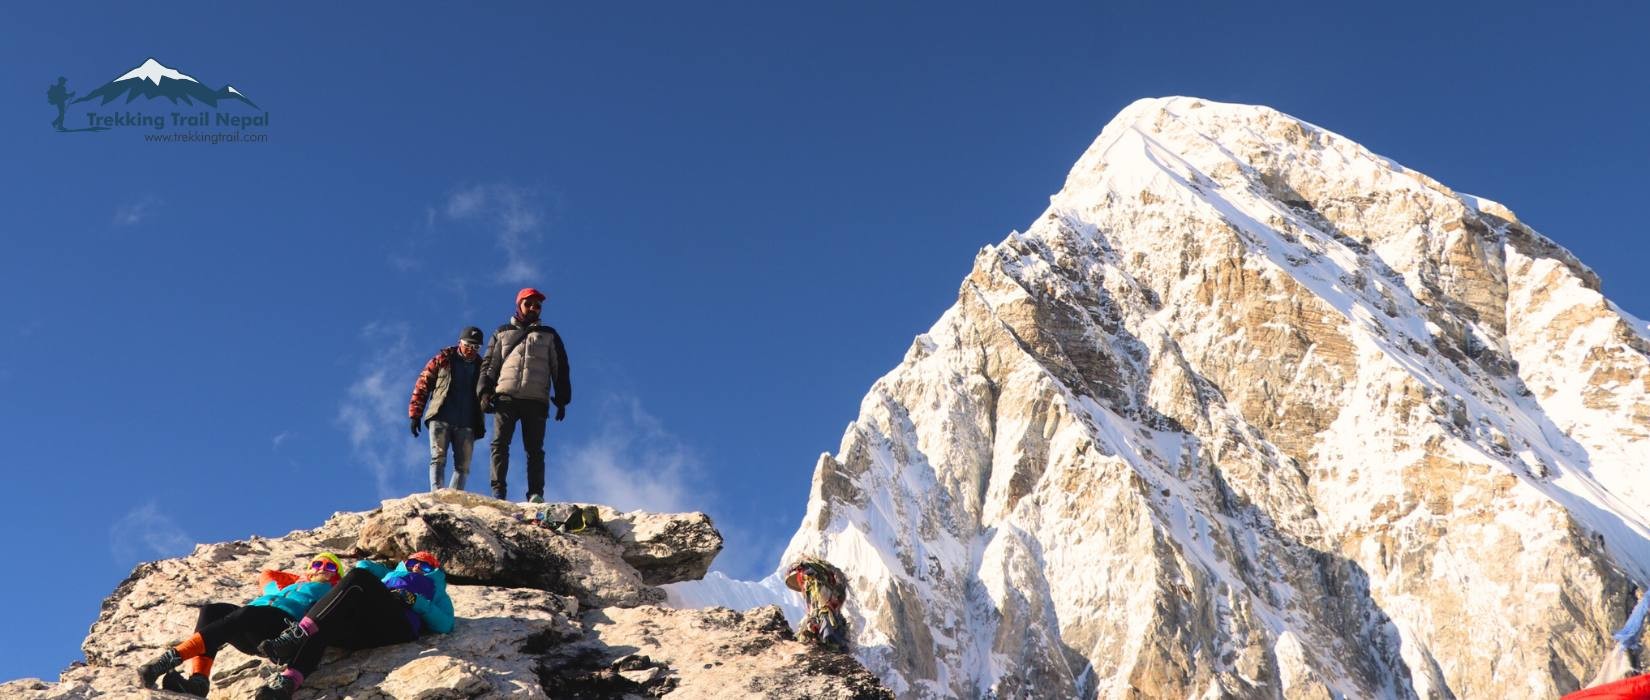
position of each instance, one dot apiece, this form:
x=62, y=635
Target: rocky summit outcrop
x=541, y=614
x=1249, y=412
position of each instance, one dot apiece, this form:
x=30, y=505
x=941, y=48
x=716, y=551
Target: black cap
x=470, y=335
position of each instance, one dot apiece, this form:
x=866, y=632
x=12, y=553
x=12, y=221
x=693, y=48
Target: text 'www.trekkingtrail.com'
x=211, y=139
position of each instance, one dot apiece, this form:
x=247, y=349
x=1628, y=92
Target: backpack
x=582, y=518
x=824, y=589
x=579, y=519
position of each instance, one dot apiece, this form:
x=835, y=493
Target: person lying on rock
x=373, y=606
x=285, y=598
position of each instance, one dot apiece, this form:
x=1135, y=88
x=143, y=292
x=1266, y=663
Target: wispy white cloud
x=132, y=213
x=458, y=289
x=280, y=439
x=635, y=463
x=467, y=202
x=373, y=411
x=147, y=533
x=516, y=219
x=632, y=463
x=405, y=263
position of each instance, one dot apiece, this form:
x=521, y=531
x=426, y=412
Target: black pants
x=359, y=613
x=507, y=412
x=242, y=626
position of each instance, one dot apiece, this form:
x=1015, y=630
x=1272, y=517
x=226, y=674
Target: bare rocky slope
x=541, y=614
x=1249, y=412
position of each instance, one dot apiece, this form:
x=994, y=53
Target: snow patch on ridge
x=717, y=589
x=153, y=71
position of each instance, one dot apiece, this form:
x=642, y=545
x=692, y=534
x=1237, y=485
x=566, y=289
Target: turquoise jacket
x=437, y=613
x=293, y=599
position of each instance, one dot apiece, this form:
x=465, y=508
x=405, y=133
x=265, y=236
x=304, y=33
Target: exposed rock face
x=709, y=640
x=540, y=614
x=1250, y=412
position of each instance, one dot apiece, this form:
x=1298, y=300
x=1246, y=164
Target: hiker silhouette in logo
x=373, y=606
x=58, y=96
x=286, y=596
x=444, y=399
x=522, y=374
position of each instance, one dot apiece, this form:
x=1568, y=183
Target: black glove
x=487, y=402
x=408, y=597
x=561, y=412
x=416, y=425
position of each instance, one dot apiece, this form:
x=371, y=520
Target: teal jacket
x=436, y=613
x=293, y=599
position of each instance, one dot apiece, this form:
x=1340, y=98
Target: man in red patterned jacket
x=445, y=398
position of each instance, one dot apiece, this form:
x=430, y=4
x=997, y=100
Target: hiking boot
x=283, y=647
x=152, y=671
x=196, y=684
x=535, y=498
x=279, y=687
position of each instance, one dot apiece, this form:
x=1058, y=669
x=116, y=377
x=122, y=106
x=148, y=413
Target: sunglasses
x=323, y=565
x=419, y=566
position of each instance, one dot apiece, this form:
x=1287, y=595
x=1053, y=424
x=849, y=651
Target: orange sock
x=201, y=666
x=191, y=647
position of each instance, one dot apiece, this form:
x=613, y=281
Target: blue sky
x=741, y=212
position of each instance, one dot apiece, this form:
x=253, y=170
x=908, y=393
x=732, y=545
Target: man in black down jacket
x=524, y=372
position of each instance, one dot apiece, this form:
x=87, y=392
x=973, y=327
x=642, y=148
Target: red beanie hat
x=528, y=293
x=427, y=558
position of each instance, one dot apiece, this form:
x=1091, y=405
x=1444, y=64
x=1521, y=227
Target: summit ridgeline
x=540, y=614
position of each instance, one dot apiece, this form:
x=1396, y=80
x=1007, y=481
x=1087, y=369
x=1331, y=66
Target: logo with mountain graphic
x=156, y=97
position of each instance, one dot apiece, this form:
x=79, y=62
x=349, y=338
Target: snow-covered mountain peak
x=1183, y=146
x=1249, y=411
x=153, y=71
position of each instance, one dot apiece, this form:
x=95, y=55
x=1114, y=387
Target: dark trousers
x=358, y=613
x=507, y=412
x=242, y=626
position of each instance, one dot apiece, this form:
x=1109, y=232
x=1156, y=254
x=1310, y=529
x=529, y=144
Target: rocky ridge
x=1249, y=412
x=540, y=614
